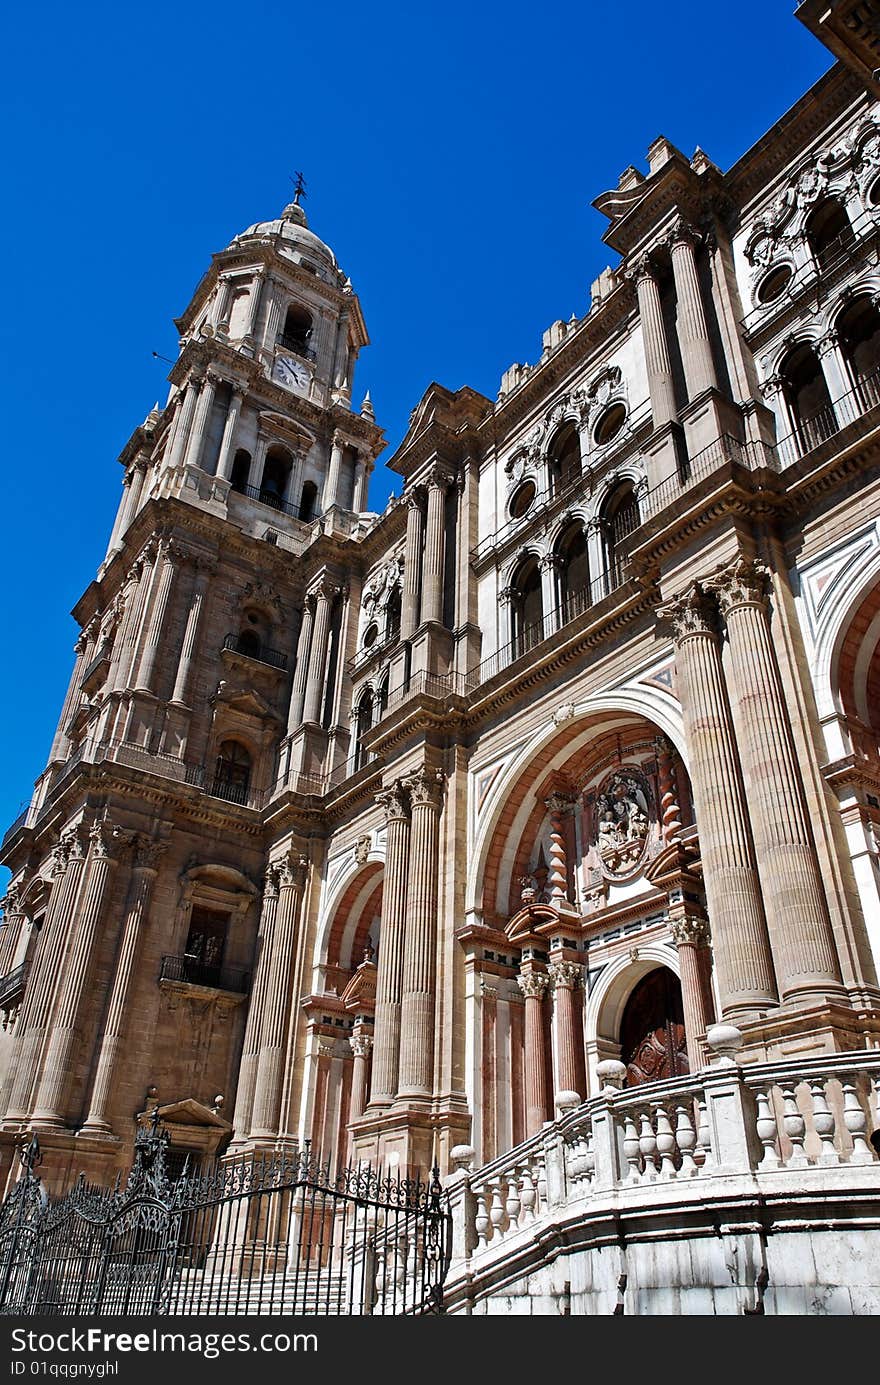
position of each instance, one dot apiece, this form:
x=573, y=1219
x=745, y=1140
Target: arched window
x=241, y=467
x=382, y=703
x=563, y=459
x=392, y=615
x=806, y=393
x=363, y=722
x=308, y=500
x=232, y=773
x=276, y=473
x=297, y=330
x=858, y=328
x=572, y=572
x=527, y=607
x=828, y=231
x=620, y=517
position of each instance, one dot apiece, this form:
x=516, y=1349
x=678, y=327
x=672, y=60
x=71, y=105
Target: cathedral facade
x=404, y=832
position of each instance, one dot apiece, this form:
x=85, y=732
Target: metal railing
x=297, y=345
x=229, y=790
x=13, y=828
x=238, y=645
x=810, y=433
x=271, y=500
x=12, y=985
x=195, y=972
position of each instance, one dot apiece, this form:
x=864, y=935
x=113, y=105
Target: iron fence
x=279, y=1235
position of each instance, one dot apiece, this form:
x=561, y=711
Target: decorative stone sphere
x=725, y=1041
x=567, y=1101
x=462, y=1156
x=611, y=1073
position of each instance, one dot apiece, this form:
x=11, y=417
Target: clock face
x=291, y=373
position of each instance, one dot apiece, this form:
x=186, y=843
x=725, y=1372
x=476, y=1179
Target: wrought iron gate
x=277, y=1235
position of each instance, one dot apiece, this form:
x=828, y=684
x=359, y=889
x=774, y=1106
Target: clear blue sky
x=451, y=154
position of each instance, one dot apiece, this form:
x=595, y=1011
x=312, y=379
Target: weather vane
x=299, y=188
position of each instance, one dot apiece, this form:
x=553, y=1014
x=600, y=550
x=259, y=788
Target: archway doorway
x=652, y=1038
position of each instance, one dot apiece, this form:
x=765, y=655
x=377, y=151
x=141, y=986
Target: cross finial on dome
x=299, y=188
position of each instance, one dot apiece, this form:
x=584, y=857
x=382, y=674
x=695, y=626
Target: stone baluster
x=686, y=1141
x=823, y=1123
x=528, y=1194
x=743, y=964
x=496, y=1209
x=361, y=1047
x=247, y=1072
x=412, y=566
x=266, y=1118
x=802, y=945
x=74, y=982
x=647, y=1147
x=156, y=621
x=704, y=1134
x=226, y=459
x=147, y=855
x=203, y=574
x=416, y=1076
x=316, y=685
x=856, y=1123
x=794, y=1126
x=765, y=1125
x=659, y=367
x=693, y=334
x=389, y=976
x=513, y=1203
x=631, y=1148
x=533, y=984
x=691, y=937
x=435, y=546
x=481, y=1220
x=565, y=977
x=666, y=1146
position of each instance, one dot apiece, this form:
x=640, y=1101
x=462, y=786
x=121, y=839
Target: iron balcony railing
x=12, y=985
x=261, y=654
x=229, y=790
x=11, y=830
x=812, y=432
x=273, y=501
x=194, y=972
x=297, y=345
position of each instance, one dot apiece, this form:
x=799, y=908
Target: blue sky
x=451, y=154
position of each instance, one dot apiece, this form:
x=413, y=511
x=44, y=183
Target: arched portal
x=652, y=1036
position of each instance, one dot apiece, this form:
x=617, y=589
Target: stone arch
x=342, y=907
x=615, y=984
x=836, y=622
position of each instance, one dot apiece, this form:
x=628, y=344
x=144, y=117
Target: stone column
x=13, y=919
x=435, y=545
x=147, y=854
x=361, y=1046
x=300, y=678
x=334, y=470
x=558, y=805
x=253, y=308
x=417, y=1020
x=316, y=685
x=84, y=651
x=691, y=938
x=133, y=483
x=219, y=313
x=797, y=912
x=191, y=633
x=278, y=1000
x=389, y=976
x=195, y=446
x=660, y=386
x=743, y=966
x=74, y=982
x=247, y=1071
x=533, y=984
x=670, y=812
x=412, y=566
x=125, y=643
x=156, y=624
x=183, y=424
x=361, y=483
x=33, y=1019
x=693, y=334
x=564, y=977
x=226, y=459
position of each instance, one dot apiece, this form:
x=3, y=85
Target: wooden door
x=652, y=1038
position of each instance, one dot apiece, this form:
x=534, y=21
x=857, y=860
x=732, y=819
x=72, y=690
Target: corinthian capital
x=642, y=267
x=691, y=613
x=107, y=839
x=743, y=583
x=533, y=984
x=564, y=975
x=426, y=786
x=394, y=799
x=148, y=853
x=361, y=1045
x=688, y=930
x=683, y=233
x=439, y=478
x=293, y=870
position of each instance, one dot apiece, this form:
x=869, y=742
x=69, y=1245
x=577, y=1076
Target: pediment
x=192, y=1113
x=527, y=923
x=245, y=700
x=296, y=436
x=361, y=989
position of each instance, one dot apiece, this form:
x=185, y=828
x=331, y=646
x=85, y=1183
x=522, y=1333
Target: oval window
x=774, y=283
x=370, y=635
x=874, y=193
x=609, y=424
x=521, y=500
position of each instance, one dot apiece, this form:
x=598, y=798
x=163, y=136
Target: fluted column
x=417, y=1020
x=156, y=621
x=183, y=424
x=533, y=984
x=13, y=919
x=316, y=686
x=196, y=443
x=133, y=483
x=564, y=977
x=691, y=937
x=226, y=459
x=693, y=334
x=797, y=913
x=247, y=1071
x=191, y=633
x=659, y=368
x=743, y=966
x=389, y=975
x=125, y=643
x=361, y=1046
x=253, y=307
x=147, y=855
x=412, y=566
x=362, y=471
x=83, y=649
x=266, y=1116
x=220, y=310
x=75, y=980
x=300, y=677
x=33, y=1019
x=334, y=471
x=435, y=545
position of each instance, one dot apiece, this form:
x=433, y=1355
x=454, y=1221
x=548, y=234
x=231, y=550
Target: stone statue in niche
x=622, y=821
